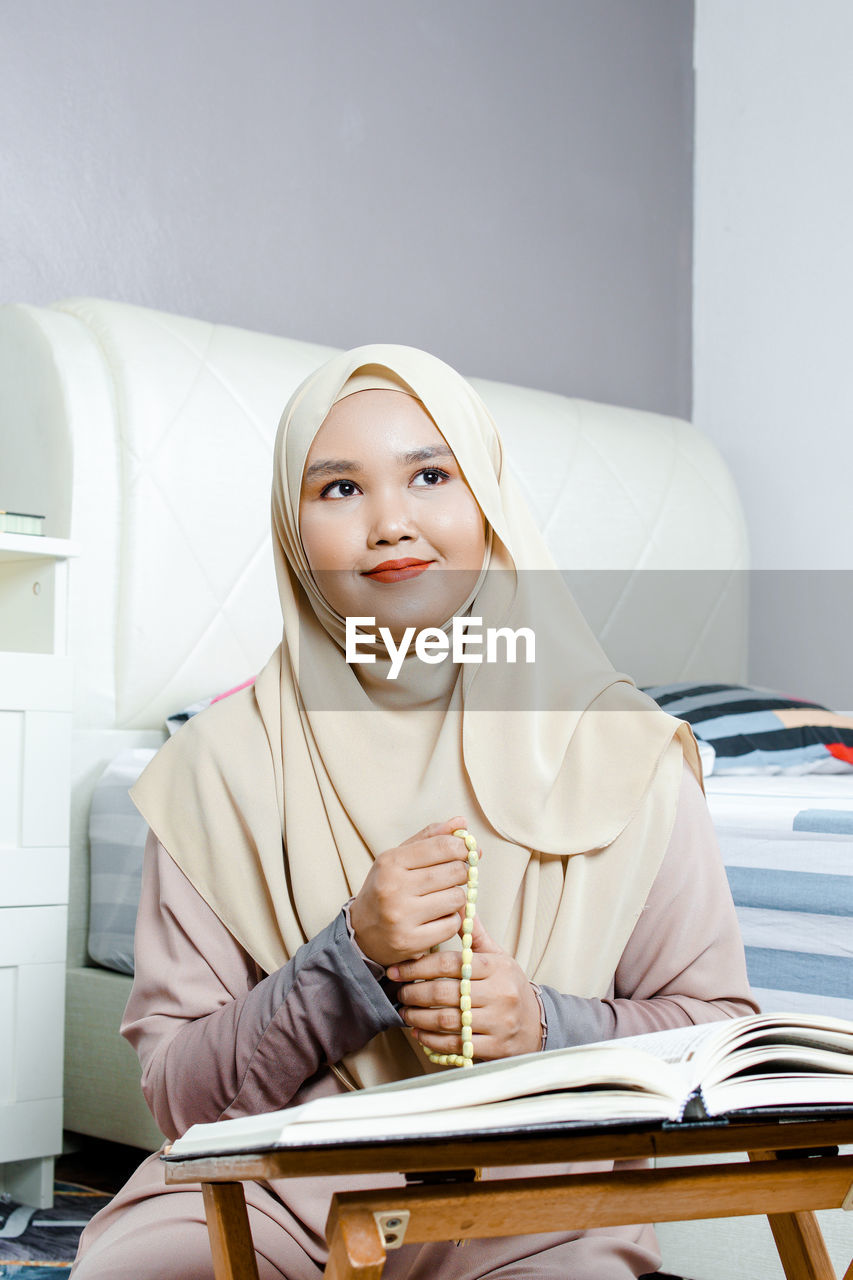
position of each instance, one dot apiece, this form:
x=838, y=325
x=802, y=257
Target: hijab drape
x=275, y=801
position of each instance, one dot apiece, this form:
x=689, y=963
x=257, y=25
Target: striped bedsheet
x=787, y=844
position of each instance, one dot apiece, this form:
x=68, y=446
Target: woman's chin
x=427, y=602
x=402, y=625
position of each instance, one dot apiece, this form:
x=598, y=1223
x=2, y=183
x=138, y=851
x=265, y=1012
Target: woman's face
x=389, y=526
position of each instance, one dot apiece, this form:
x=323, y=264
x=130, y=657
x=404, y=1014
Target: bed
x=787, y=843
x=146, y=438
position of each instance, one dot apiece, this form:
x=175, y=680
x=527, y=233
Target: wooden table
x=794, y=1168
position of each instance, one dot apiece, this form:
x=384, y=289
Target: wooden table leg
x=228, y=1228
x=356, y=1247
x=799, y=1240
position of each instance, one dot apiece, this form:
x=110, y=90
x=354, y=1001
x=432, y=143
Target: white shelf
x=26, y=546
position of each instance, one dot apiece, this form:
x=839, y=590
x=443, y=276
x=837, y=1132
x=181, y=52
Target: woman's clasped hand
x=413, y=896
x=412, y=901
x=505, y=1011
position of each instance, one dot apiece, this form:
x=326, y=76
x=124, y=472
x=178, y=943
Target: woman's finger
x=445, y=1019
x=485, y=1046
x=435, y=829
x=438, y=964
x=442, y=847
x=437, y=876
x=426, y=936
x=480, y=940
x=437, y=906
x=426, y=995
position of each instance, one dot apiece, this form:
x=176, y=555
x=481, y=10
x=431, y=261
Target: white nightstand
x=35, y=740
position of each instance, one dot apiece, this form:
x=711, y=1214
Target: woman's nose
x=390, y=521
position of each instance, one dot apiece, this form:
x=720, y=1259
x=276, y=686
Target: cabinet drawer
x=35, y=762
x=32, y=935
x=32, y=1008
x=31, y=1129
x=34, y=682
x=33, y=877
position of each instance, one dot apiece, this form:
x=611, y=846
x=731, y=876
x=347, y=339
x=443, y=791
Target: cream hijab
x=275, y=801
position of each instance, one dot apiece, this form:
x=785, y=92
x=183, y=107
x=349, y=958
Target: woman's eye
x=430, y=476
x=339, y=489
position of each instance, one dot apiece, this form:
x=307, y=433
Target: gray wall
x=772, y=347
x=505, y=182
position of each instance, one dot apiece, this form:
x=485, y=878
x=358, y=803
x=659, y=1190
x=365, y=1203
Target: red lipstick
x=397, y=570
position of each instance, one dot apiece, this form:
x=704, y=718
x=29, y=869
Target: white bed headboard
x=146, y=438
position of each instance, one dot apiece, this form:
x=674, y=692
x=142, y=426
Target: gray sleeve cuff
x=543, y=1016
x=340, y=1000
x=373, y=965
x=572, y=1020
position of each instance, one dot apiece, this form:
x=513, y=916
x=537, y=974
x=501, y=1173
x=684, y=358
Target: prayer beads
x=466, y=1058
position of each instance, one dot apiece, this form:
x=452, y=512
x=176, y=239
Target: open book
x=771, y=1061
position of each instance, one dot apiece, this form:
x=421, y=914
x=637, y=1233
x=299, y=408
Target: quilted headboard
x=147, y=437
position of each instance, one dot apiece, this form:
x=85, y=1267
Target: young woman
x=303, y=893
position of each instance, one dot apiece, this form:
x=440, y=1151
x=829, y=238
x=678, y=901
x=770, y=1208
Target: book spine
x=19, y=522
x=694, y=1107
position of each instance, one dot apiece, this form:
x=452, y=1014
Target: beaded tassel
x=466, y=1058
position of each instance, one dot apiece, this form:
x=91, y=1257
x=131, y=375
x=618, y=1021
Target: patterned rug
x=40, y=1244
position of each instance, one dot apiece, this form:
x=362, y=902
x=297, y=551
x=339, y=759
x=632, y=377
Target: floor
x=40, y=1244
x=103, y=1166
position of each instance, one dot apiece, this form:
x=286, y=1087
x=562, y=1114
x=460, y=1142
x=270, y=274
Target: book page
x=511, y=1115
x=713, y=1049
x=610, y=1064
x=775, y=1092
x=676, y=1044
x=744, y=1042
x=592, y=1081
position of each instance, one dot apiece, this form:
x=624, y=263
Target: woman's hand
x=504, y=1007
x=414, y=896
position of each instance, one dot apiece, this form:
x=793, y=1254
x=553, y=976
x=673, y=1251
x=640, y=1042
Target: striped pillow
x=759, y=731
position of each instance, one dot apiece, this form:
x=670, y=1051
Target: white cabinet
x=35, y=738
